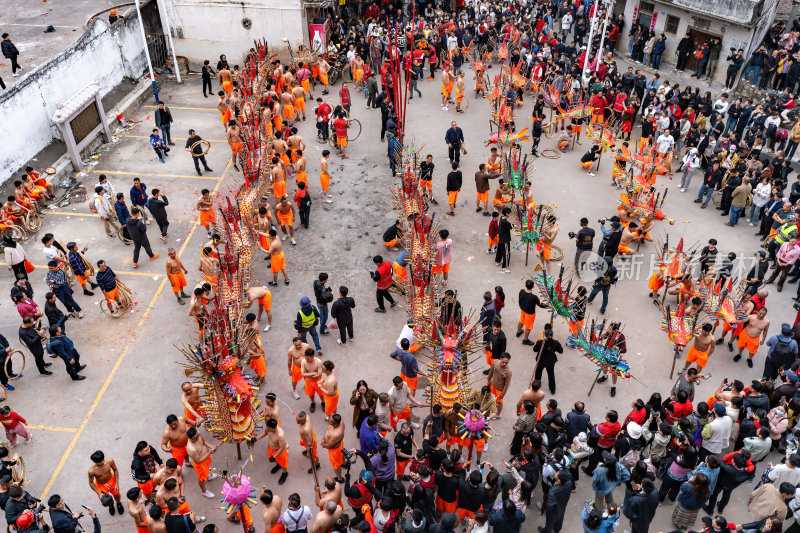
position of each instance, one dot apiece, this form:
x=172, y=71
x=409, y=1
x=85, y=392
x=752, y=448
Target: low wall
x=204, y=29
x=102, y=54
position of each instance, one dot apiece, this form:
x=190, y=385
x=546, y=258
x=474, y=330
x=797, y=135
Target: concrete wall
x=204, y=29
x=103, y=55
x=731, y=35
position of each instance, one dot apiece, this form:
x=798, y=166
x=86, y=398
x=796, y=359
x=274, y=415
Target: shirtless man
x=494, y=161
x=447, y=86
x=459, y=91
x=175, y=274
x=171, y=488
x=251, y=342
x=287, y=101
x=136, y=510
x=280, y=147
x=171, y=470
x=325, y=177
x=499, y=380
x=332, y=440
x=226, y=79
x=311, y=370
x=545, y=243
x=278, y=178
x=236, y=101
x=224, y=110
x=271, y=511
x=205, y=205
x=308, y=438
x=174, y=439
x=757, y=325
x=209, y=266
x=329, y=385
x=295, y=142
x=278, y=263
x=326, y=518
x=200, y=453
x=190, y=399
x=299, y=95
x=297, y=352
x=736, y=327
x=263, y=296
x=300, y=169
x=276, y=448
x=331, y=493
x=284, y=214
x=155, y=519
x=263, y=224
x=104, y=479
x=234, y=137
x=701, y=349
x=198, y=312
x=630, y=234
x=534, y=393
x=271, y=409
x=324, y=69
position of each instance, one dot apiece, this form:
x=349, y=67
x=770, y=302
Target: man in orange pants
x=308, y=439
x=205, y=205
x=332, y=440
x=276, y=448
x=701, y=349
x=199, y=452
x=175, y=274
x=757, y=325
x=104, y=479
x=329, y=385
x=174, y=439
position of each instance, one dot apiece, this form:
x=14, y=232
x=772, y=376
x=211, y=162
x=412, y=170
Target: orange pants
x=179, y=453
x=278, y=262
x=411, y=382
x=178, y=282
x=202, y=469
x=279, y=190
x=312, y=388
x=296, y=374
x=325, y=181
x=207, y=218
x=527, y=319
x=331, y=402
x=746, y=341
x=313, y=446
x=405, y=414
x=452, y=197
x=259, y=366
x=335, y=456
x=147, y=488
x=282, y=459
x=109, y=487
x=695, y=355
x=655, y=283
x=483, y=196
x=496, y=393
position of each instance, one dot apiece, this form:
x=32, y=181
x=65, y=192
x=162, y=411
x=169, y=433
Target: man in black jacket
x=546, y=351
x=323, y=295
x=685, y=47
x=32, y=338
x=454, y=137
x=18, y=502
x=55, y=317
x=736, y=61
x=453, y=186
x=577, y=421
x=730, y=477
x=642, y=507
x=10, y=51
x=63, y=347
x=503, y=256
x=557, y=500
x=341, y=310
x=157, y=204
x=163, y=119
x=138, y=233
x=711, y=181
x=61, y=516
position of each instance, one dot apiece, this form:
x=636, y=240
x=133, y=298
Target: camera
x=602, y=220
x=732, y=49
x=796, y=306
x=348, y=456
x=39, y=508
x=571, y=234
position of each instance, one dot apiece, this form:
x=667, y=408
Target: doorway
x=699, y=37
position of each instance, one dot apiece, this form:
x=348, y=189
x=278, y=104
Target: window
x=672, y=24
x=646, y=7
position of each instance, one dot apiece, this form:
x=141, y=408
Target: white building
x=737, y=23
x=204, y=29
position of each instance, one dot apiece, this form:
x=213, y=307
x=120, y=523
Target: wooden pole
x=241, y=517
x=594, y=383
x=675, y=354
x=239, y=450
x=527, y=251
x=313, y=463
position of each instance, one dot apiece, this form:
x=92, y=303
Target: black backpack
x=305, y=201
x=782, y=352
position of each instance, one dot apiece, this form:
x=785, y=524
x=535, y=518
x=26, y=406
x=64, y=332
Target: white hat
x=694, y=151
x=634, y=430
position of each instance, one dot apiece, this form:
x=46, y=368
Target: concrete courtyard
x=133, y=367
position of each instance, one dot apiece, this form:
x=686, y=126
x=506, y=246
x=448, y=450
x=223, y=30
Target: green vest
x=307, y=320
x=784, y=232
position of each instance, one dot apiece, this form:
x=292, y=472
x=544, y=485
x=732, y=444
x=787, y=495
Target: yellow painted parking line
x=133, y=338
x=52, y=428
x=176, y=138
x=154, y=174
x=191, y=108
x=75, y=214
x=117, y=271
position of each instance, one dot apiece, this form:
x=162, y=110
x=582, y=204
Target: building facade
x=737, y=23
x=204, y=29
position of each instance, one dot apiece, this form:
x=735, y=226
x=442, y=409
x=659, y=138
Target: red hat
x=553, y=41
x=25, y=520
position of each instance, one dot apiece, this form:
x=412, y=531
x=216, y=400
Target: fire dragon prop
x=603, y=352
x=451, y=339
x=230, y=401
